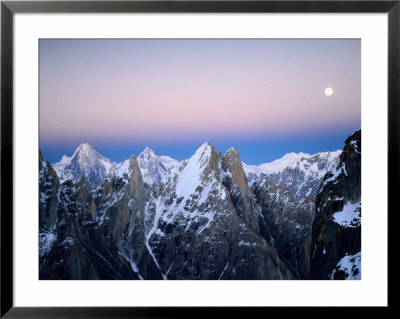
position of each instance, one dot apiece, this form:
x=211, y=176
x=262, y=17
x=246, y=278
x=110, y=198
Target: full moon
x=328, y=91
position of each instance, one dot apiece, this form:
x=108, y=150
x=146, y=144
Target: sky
x=264, y=96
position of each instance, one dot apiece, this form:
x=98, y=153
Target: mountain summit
x=85, y=161
x=154, y=167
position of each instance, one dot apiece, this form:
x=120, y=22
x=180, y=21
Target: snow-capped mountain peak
x=200, y=200
x=192, y=174
x=85, y=147
x=202, y=154
x=85, y=161
x=197, y=194
x=147, y=154
x=154, y=167
x=84, y=152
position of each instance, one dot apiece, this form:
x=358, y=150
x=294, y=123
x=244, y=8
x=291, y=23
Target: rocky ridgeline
x=198, y=220
x=199, y=232
x=74, y=243
x=336, y=232
x=86, y=161
x=299, y=172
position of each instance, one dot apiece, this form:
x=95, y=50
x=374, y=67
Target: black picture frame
x=9, y=8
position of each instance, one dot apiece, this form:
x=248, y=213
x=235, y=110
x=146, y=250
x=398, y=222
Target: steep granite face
x=336, y=233
x=231, y=163
x=72, y=248
x=234, y=178
x=48, y=201
x=286, y=223
x=121, y=201
x=96, y=235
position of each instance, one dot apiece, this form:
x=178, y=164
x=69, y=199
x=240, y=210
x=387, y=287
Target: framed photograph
x=161, y=156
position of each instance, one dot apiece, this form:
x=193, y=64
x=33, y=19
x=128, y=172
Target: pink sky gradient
x=169, y=90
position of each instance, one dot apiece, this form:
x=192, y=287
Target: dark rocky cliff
x=73, y=245
x=286, y=222
x=336, y=232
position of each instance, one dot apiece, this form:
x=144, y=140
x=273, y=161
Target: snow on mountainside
x=189, y=213
x=300, y=172
x=350, y=266
x=200, y=219
x=154, y=167
x=85, y=161
x=190, y=183
x=336, y=231
x=200, y=222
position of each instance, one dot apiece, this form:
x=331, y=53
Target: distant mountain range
x=300, y=172
x=208, y=217
x=85, y=161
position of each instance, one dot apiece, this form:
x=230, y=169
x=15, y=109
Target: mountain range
x=208, y=217
x=86, y=161
x=300, y=172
